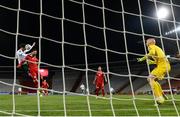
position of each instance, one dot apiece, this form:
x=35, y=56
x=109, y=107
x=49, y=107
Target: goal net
x=73, y=38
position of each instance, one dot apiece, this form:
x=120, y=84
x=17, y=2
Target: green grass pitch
x=77, y=106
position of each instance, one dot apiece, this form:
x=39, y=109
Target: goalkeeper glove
x=141, y=59
x=151, y=62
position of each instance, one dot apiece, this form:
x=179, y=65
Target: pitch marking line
x=86, y=110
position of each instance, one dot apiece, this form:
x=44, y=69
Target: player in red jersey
x=99, y=81
x=45, y=85
x=32, y=66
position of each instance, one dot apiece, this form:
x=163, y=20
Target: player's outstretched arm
x=27, y=50
x=141, y=59
x=149, y=61
x=33, y=44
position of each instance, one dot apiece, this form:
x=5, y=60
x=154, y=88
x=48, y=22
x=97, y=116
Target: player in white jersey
x=83, y=89
x=19, y=91
x=21, y=54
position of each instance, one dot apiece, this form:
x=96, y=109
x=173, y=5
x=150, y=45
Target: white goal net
x=73, y=38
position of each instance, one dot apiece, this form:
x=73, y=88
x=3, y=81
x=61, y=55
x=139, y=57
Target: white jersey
x=22, y=54
x=112, y=90
x=19, y=89
x=82, y=87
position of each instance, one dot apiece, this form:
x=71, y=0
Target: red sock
x=103, y=92
x=36, y=83
x=97, y=91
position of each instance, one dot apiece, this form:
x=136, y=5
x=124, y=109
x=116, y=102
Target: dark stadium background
x=51, y=28
x=126, y=79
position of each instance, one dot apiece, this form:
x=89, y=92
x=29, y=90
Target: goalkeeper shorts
x=161, y=70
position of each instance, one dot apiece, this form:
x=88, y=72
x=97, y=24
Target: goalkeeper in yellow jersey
x=156, y=56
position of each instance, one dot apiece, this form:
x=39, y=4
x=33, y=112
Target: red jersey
x=32, y=62
x=33, y=67
x=45, y=85
x=99, y=77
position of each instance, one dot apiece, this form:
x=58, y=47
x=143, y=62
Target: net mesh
x=73, y=38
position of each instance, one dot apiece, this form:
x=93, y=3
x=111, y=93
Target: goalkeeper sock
x=157, y=92
x=155, y=88
x=159, y=87
x=161, y=91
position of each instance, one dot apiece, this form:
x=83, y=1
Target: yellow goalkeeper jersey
x=163, y=66
x=157, y=54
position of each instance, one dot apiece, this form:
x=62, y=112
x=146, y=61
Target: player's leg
x=97, y=91
x=83, y=91
x=25, y=68
x=167, y=70
x=155, y=88
x=46, y=92
x=162, y=71
x=102, y=89
x=158, y=74
x=103, y=93
x=43, y=91
x=161, y=91
x=34, y=77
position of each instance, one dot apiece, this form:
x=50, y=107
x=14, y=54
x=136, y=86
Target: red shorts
x=45, y=89
x=100, y=85
x=34, y=73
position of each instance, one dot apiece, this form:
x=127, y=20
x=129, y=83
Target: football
x=28, y=46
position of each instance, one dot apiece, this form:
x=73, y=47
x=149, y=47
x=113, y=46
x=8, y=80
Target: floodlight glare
x=162, y=13
x=173, y=31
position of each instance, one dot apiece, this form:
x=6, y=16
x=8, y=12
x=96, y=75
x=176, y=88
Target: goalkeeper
x=156, y=56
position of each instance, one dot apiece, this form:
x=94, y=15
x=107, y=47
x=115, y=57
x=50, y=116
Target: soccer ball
x=40, y=95
x=27, y=46
x=112, y=90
